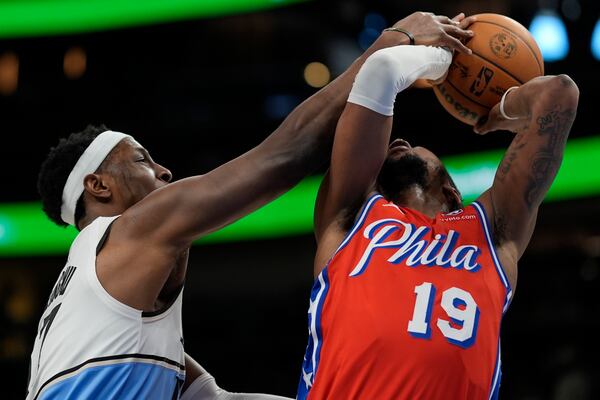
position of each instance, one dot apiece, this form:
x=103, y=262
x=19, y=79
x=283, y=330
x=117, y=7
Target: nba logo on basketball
x=482, y=81
x=505, y=54
x=503, y=45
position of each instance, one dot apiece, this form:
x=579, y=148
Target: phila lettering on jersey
x=414, y=249
x=89, y=345
x=408, y=307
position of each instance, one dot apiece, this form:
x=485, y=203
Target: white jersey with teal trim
x=91, y=346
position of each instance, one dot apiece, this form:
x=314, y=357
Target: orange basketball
x=505, y=54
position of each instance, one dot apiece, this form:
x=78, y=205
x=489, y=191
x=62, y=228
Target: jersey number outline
x=458, y=304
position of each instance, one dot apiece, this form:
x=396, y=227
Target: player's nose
x=163, y=173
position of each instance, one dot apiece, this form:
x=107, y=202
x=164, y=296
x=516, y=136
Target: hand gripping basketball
x=499, y=119
x=436, y=30
x=505, y=54
x=463, y=23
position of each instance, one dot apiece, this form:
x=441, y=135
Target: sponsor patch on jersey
x=457, y=215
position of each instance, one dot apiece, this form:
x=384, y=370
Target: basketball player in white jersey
x=112, y=324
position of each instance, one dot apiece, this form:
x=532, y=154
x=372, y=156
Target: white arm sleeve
x=389, y=71
x=205, y=388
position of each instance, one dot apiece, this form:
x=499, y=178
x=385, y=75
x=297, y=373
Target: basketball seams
x=468, y=96
x=499, y=67
x=540, y=68
x=448, y=106
x=496, y=48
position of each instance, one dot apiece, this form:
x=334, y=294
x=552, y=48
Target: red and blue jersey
x=408, y=307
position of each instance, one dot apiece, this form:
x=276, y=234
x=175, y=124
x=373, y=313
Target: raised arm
x=363, y=134
x=545, y=109
x=296, y=148
x=150, y=235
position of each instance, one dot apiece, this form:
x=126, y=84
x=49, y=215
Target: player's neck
x=418, y=199
x=86, y=220
x=95, y=210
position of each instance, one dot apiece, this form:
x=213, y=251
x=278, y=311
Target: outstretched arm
x=152, y=233
x=200, y=385
x=545, y=108
x=296, y=148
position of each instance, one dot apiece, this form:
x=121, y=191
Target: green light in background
x=25, y=230
x=291, y=214
x=474, y=173
x=578, y=175
x=20, y=18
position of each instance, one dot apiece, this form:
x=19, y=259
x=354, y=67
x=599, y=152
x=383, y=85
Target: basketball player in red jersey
x=121, y=287
x=410, y=285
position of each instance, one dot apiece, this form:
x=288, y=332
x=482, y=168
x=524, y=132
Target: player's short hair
x=56, y=169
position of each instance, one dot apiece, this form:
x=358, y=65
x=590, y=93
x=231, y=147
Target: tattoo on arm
x=554, y=127
x=512, y=154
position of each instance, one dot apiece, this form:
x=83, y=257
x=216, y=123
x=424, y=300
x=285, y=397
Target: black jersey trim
x=167, y=307
x=104, y=237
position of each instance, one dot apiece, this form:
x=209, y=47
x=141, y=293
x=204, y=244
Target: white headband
x=88, y=163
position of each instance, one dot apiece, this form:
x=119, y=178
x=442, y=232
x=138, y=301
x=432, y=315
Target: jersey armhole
x=358, y=222
x=485, y=225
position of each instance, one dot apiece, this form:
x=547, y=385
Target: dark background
x=196, y=94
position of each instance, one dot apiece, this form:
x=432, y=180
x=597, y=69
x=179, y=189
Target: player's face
x=406, y=166
x=135, y=173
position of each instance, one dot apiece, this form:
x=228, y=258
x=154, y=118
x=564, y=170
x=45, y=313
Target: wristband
x=502, y=112
x=407, y=33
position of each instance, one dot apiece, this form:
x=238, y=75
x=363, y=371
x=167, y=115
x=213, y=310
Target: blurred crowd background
x=200, y=82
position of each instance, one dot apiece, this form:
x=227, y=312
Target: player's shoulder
x=355, y=214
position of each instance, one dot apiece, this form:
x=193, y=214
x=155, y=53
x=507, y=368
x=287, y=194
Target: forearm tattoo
x=554, y=129
x=512, y=154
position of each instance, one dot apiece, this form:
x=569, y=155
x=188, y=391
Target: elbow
x=562, y=90
x=555, y=105
x=380, y=63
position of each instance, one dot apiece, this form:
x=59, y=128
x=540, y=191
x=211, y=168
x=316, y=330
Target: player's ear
x=97, y=186
x=452, y=196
